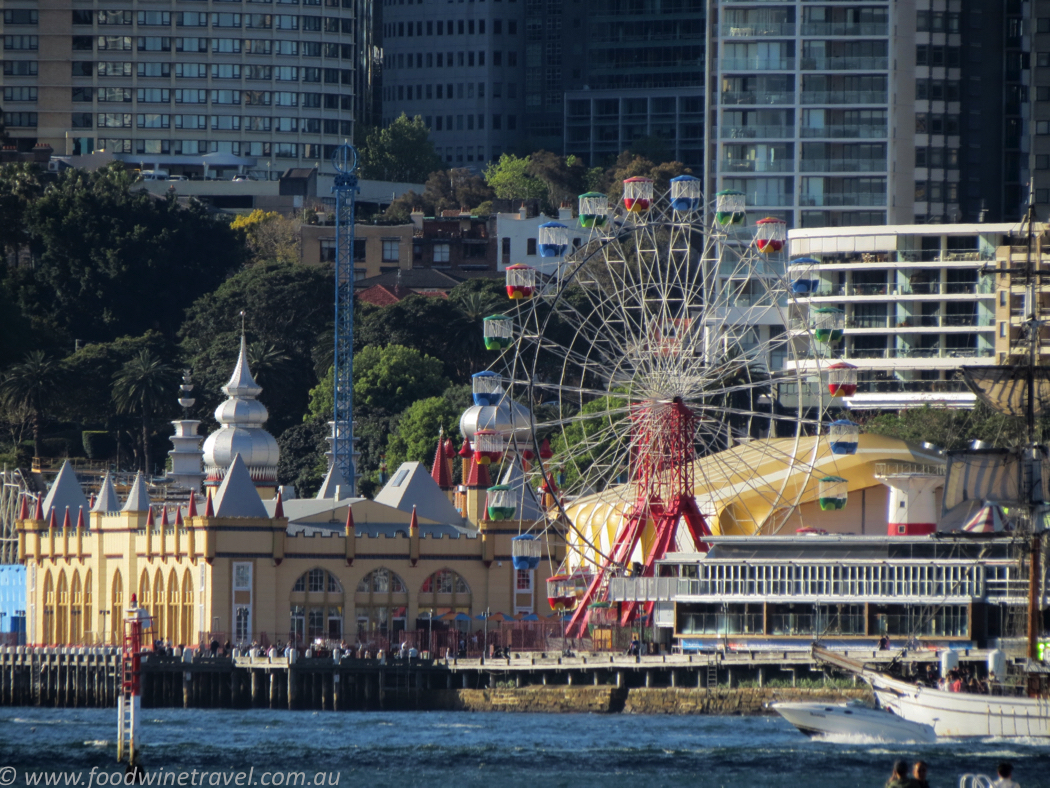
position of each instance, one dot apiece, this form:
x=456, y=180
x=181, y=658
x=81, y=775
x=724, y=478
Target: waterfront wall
x=638, y=700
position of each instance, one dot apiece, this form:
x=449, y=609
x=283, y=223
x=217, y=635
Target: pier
x=81, y=677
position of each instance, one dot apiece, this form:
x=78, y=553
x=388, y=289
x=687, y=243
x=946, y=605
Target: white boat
x=852, y=719
x=952, y=714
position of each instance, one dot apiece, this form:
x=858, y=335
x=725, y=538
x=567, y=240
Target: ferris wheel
x=650, y=385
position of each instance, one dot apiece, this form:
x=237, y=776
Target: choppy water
x=496, y=750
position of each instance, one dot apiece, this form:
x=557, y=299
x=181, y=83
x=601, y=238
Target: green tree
x=270, y=236
x=444, y=190
x=415, y=437
x=19, y=187
x=417, y=322
x=34, y=386
x=302, y=460
x=472, y=301
x=144, y=386
x=113, y=262
x=563, y=176
x=287, y=308
x=401, y=152
x=510, y=179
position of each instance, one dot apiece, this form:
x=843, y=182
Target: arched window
x=158, y=608
x=48, y=635
x=186, y=618
x=445, y=581
x=144, y=594
x=76, y=611
x=62, y=611
x=172, y=615
x=116, y=611
x=444, y=592
x=382, y=581
x=88, y=608
x=381, y=602
x=317, y=604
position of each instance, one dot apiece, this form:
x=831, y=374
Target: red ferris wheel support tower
x=662, y=456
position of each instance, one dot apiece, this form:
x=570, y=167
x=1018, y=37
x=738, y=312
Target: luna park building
x=242, y=564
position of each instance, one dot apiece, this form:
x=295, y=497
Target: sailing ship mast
x=999, y=390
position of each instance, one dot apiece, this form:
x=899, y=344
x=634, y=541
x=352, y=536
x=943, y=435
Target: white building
x=519, y=234
x=915, y=305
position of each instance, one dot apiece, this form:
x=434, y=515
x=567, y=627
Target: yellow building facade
x=246, y=578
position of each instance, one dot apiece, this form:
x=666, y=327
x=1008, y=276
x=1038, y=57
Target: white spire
x=65, y=492
x=241, y=432
x=107, y=500
x=242, y=384
x=332, y=482
x=138, y=498
x=237, y=496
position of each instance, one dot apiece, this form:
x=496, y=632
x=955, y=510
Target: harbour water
x=496, y=750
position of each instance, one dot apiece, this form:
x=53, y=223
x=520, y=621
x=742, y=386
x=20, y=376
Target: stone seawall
x=602, y=700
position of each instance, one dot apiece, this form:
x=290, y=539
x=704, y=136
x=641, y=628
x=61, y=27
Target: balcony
x=758, y=64
x=858, y=132
x=759, y=29
x=853, y=97
x=766, y=200
x=842, y=200
x=757, y=132
x=845, y=63
x=891, y=353
x=843, y=165
x=752, y=165
x=733, y=97
x=845, y=29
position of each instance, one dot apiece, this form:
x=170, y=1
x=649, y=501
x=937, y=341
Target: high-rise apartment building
x=459, y=66
x=269, y=81
x=835, y=114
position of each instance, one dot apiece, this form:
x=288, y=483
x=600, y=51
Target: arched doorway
x=62, y=611
x=186, y=619
x=48, y=635
x=317, y=606
x=116, y=611
x=381, y=604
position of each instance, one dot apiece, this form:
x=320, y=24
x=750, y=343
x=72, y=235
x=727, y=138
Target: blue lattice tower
x=345, y=162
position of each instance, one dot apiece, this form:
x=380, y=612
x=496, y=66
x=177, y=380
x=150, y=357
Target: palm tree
x=33, y=384
x=142, y=385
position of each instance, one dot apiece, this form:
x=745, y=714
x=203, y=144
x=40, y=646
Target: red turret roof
x=278, y=508
x=164, y=516
x=23, y=509
x=349, y=520
x=545, y=450
x=440, y=472
x=81, y=525
x=413, y=524
x=67, y=524
x=178, y=516
x=209, y=510
x=478, y=476
x=465, y=451
x=53, y=522
x=38, y=510
x=191, y=507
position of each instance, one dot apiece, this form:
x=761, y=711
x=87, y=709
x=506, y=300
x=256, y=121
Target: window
x=20, y=68
x=21, y=17
x=1042, y=127
x=1042, y=161
x=113, y=120
x=441, y=253
x=155, y=43
x=192, y=71
x=20, y=94
x=391, y=250
x=530, y=246
x=523, y=580
x=113, y=43
x=114, y=17
x=242, y=576
x=20, y=119
x=445, y=581
x=155, y=95
x=111, y=69
x=162, y=18
x=23, y=42
x=154, y=70
x=381, y=581
x=153, y=121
